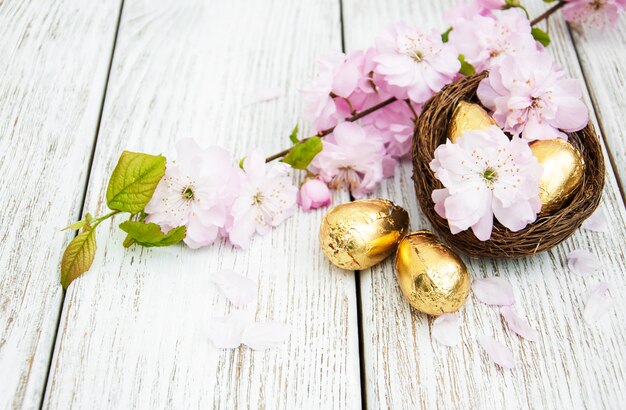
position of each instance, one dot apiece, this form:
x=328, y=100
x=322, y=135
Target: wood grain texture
x=54, y=58
x=133, y=331
x=602, y=55
x=572, y=365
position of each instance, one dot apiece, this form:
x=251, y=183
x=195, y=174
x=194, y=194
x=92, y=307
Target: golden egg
x=358, y=235
x=431, y=276
x=563, y=173
x=468, y=116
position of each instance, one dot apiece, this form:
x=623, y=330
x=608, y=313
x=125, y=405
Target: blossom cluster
x=408, y=66
x=212, y=197
x=489, y=176
x=597, y=13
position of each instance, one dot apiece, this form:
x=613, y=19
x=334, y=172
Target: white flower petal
x=582, y=262
x=237, y=288
x=446, y=329
x=598, y=304
x=497, y=352
x=262, y=94
x=493, y=291
x=226, y=332
x=597, y=221
x=265, y=335
x=517, y=324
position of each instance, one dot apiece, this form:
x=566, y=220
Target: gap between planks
x=357, y=274
x=599, y=118
x=82, y=205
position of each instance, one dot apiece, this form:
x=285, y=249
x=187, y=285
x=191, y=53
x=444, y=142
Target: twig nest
x=433, y=127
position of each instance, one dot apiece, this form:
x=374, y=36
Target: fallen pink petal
x=265, y=335
x=583, y=262
x=497, y=352
x=238, y=289
x=263, y=94
x=598, y=304
x=517, y=324
x=446, y=329
x=597, y=222
x=493, y=291
x=226, y=332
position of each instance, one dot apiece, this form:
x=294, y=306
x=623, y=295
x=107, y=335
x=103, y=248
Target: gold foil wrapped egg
x=431, y=276
x=359, y=234
x=563, y=173
x=468, y=116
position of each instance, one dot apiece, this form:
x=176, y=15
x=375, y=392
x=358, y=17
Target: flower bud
x=313, y=194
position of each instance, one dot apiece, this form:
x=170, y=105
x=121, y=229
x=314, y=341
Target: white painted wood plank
x=602, y=55
x=571, y=366
x=54, y=57
x=133, y=330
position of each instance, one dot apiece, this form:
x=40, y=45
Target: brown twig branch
x=547, y=13
x=327, y=131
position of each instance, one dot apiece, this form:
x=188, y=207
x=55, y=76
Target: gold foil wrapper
x=468, y=116
x=431, y=276
x=358, y=235
x=563, y=173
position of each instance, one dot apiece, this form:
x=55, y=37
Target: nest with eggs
x=547, y=231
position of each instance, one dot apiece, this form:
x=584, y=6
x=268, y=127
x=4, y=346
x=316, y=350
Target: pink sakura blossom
x=415, y=65
x=467, y=10
x=196, y=191
x=530, y=96
x=395, y=124
x=313, y=194
x=485, y=175
x=484, y=41
x=598, y=13
x=351, y=159
x=337, y=76
x=492, y=4
x=266, y=199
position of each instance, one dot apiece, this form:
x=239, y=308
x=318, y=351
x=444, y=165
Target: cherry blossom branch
x=547, y=13
x=327, y=131
x=358, y=115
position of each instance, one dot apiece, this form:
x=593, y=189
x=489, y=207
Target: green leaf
x=293, y=137
x=549, y=1
x=78, y=256
x=541, y=36
x=128, y=241
x=134, y=180
x=75, y=226
x=445, y=35
x=301, y=155
x=150, y=234
x=466, y=68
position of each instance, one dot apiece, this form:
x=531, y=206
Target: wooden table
x=80, y=81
